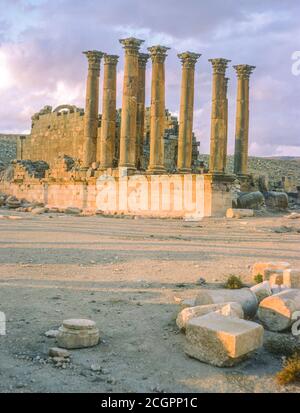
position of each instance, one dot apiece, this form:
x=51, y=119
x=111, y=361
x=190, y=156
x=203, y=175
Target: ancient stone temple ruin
x=134, y=160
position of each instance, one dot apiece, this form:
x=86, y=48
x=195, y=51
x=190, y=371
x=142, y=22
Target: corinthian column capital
x=143, y=59
x=243, y=71
x=131, y=45
x=111, y=59
x=219, y=65
x=188, y=59
x=94, y=59
x=158, y=53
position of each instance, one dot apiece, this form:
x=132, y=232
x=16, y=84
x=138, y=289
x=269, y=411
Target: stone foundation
x=176, y=195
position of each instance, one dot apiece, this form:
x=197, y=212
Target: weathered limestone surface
x=129, y=103
x=108, y=122
x=184, y=159
x=239, y=213
x=276, y=200
x=276, y=311
x=252, y=200
x=226, y=309
x=262, y=290
x=291, y=278
x=244, y=296
x=140, y=119
x=91, y=107
x=242, y=119
x=78, y=333
x=218, y=142
x=157, y=120
x=222, y=341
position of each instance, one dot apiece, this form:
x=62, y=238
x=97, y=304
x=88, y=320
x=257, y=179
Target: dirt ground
x=124, y=274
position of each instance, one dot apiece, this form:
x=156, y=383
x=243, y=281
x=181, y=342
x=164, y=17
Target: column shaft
x=218, y=123
x=129, y=103
x=140, y=119
x=242, y=119
x=184, y=158
x=226, y=121
x=108, y=122
x=157, y=112
x=91, y=108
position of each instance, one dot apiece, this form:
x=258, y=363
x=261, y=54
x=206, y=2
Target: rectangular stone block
x=262, y=267
x=291, y=278
x=222, y=341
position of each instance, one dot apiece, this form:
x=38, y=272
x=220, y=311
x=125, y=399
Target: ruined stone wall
x=54, y=133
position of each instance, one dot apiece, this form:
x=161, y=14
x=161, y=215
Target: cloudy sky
x=41, y=61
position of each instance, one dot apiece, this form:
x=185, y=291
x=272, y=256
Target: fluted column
x=91, y=108
x=140, y=118
x=242, y=119
x=218, y=124
x=108, y=121
x=157, y=113
x=226, y=120
x=129, y=103
x=185, y=137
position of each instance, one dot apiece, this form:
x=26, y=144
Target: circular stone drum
x=78, y=333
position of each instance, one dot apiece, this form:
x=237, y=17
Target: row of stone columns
x=133, y=111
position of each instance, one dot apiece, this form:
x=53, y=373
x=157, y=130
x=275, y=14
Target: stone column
x=108, y=122
x=140, y=118
x=91, y=108
x=218, y=124
x=129, y=103
x=226, y=120
x=185, y=137
x=157, y=114
x=242, y=119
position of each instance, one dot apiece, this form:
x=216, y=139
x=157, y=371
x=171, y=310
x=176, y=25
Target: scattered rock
x=262, y=267
x=58, y=352
x=262, y=290
x=187, y=314
x=96, y=367
x=291, y=278
x=275, y=312
x=73, y=211
x=222, y=341
x=251, y=200
x=201, y=281
x=276, y=200
x=38, y=210
x=239, y=213
x=51, y=333
x=244, y=296
x=12, y=202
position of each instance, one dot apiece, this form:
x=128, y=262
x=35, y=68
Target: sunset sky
x=41, y=60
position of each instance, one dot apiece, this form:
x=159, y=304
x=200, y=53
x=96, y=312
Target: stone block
x=244, y=296
x=222, y=341
x=276, y=278
x=291, y=278
x=78, y=333
x=262, y=290
x=38, y=211
x=239, y=213
x=226, y=309
x=276, y=200
x=261, y=267
x=276, y=311
x=251, y=200
x=73, y=211
x=58, y=352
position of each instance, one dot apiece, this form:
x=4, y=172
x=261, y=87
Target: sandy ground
x=124, y=274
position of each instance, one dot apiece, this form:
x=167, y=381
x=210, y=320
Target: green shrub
x=291, y=370
x=233, y=282
x=258, y=278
